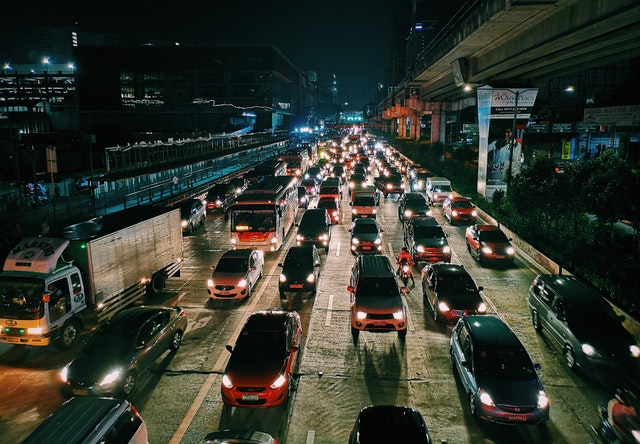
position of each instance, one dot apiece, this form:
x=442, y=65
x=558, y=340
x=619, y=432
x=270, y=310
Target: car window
x=456, y=284
x=364, y=201
x=510, y=363
x=377, y=287
x=365, y=228
x=428, y=232
x=261, y=343
x=461, y=204
x=493, y=236
x=232, y=265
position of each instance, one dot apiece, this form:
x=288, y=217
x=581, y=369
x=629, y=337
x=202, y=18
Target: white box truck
x=51, y=288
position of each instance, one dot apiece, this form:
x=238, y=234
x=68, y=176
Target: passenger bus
x=262, y=216
x=267, y=168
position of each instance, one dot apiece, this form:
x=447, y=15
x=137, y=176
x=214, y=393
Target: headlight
x=443, y=307
x=389, y=186
x=454, y=213
x=303, y=199
x=355, y=241
x=486, y=250
x=378, y=241
x=374, y=211
x=589, y=350
x=210, y=283
x=283, y=278
x=354, y=211
x=635, y=351
x=242, y=283
x=226, y=381
x=299, y=237
x=111, y=377
x=482, y=308
x=408, y=213
x=184, y=223
x=398, y=315
x=311, y=278
x=511, y=251
x=420, y=249
x=360, y=315
x=279, y=382
x=274, y=240
x=218, y=202
x=474, y=213
x=323, y=237
x=34, y=330
x=485, y=398
x=543, y=401
x=64, y=373
x=446, y=249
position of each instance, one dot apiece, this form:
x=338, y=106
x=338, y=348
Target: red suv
x=488, y=243
x=459, y=210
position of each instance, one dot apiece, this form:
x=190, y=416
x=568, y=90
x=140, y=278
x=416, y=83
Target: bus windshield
x=21, y=297
x=253, y=220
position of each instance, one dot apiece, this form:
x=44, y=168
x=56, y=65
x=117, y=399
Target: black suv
x=300, y=270
x=585, y=326
x=451, y=292
x=412, y=205
x=314, y=228
x=389, y=423
x=426, y=241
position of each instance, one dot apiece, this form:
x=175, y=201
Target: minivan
x=91, y=420
x=375, y=297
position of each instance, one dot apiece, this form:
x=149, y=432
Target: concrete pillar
x=415, y=127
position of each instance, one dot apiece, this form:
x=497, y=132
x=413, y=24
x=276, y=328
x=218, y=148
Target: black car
x=497, y=374
x=314, y=228
x=426, y=240
x=412, y=205
x=451, y=292
x=303, y=197
x=300, y=270
x=122, y=348
x=366, y=236
x=220, y=197
x=389, y=424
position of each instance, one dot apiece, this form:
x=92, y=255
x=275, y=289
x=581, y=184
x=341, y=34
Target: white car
x=236, y=274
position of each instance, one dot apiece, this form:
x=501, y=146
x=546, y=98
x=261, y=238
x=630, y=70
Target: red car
x=259, y=372
x=459, y=209
x=488, y=243
x=332, y=206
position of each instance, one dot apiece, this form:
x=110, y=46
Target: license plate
x=499, y=256
x=249, y=397
x=81, y=392
x=519, y=418
x=295, y=286
x=366, y=247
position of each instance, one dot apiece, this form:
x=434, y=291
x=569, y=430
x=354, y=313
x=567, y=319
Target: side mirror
x=537, y=366
x=350, y=289
x=403, y=289
x=447, y=235
x=253, y=268
x=280, y=264
x=466, y=365
x=229, y=348
x=480, y=288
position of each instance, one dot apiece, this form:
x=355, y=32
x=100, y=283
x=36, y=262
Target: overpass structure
x=513, y=44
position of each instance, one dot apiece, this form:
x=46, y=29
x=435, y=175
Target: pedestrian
x=44, y=226
x=175, y=182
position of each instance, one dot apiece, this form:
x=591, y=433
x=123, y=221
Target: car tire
x=478, y=255
x=472, y=406
x=69, y=335
x=190, y=228
x=176, y=341
x=355, y=333
x=535, y=321
x=128, y=385
x=436, y=315
x=402, y=334
x=569, y=357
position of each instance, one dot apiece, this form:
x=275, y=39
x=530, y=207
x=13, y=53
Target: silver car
x=236, y=274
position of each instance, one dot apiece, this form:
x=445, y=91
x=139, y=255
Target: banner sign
x=614, y=115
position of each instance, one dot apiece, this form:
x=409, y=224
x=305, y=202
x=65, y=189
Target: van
x=89, y=420
x=375, y=298
x=438, y=189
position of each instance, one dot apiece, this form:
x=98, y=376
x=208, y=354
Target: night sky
x=349, y=38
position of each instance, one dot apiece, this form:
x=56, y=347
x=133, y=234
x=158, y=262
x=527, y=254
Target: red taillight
x=183, y=312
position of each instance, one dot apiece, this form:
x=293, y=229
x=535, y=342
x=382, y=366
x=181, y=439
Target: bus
x=262, y=215
x=267, y=168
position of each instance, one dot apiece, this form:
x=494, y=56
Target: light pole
x=512, y=142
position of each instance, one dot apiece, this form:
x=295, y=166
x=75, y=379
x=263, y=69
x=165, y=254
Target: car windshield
x=261, y=344
x=428, y=232
x=461, y=204
x=329, y=190
x=377, y=287
x=415, y=199
x=364, y=201
x=442, y=189
x=456, y=284
x=232, y=265
x=365, y=228
x=500, y=362
x=493, y=236
x=327, y=204
x=298, y=261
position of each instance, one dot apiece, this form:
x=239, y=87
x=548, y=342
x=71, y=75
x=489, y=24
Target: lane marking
x=311, y=436
x=327, y=321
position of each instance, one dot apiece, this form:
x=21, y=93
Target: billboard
x=501, y=112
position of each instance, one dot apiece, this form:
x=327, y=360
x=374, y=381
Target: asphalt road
x=179, y=398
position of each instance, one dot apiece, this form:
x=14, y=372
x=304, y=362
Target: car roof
x=375, y=265
x=573, y=290
x=425, y=221
x=270, y=319
x=365, y=221
x=300, y=250
x=136, y=315
x=240, y=253
x=459, y=198
x=445, y=268
x=392, y=423
x=490, y=330
x=487, y=228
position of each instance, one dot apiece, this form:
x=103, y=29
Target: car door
x=462, y=350
x=254, y=268
x=163, y=333
x=430, y=290
x=143, y=352
x=557, y=324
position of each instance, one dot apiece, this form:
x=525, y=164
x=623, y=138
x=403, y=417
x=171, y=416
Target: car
x=419, y=179
x=236, y=274
x=438, y=189
x=340, y=171
x=375, y=298
x=121, y=349
x=238, y=437
x=314, y=228
x=193, y=213
x=499, y=379
x=311, y=185
x=303, y=197
x=412, y=205
x=458, y=209
x=487, y=243
x=389, y=424
x=259, y=372
x=366, y=236
x=332, y=205
x=451, y=292
x=426, y=240
x=391, y=183
x=583, y=324
x=220, y=197
x=356, y=180
x=300, y=270
x=315, y=172
x=239, y=184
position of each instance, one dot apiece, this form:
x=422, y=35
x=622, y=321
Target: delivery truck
x=52, y=288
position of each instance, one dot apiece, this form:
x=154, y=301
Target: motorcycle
x=405, y=273
x=619, y=423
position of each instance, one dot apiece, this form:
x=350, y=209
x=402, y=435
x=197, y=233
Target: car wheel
x=176, y=341
x=190, y=228
x=355, y=333
x=69, y=335
x=478, y=256
x=535, y=320
x=261, y=271
x=472, y=405
x=402, y=333
x=569, y=357
x=128, y=385
x=436, y=314
x=203, y=220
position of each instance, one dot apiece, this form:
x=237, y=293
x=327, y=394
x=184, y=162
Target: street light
x=513, y=132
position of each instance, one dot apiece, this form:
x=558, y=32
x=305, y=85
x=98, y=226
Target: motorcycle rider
x=623, y=415
x=405, y=258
